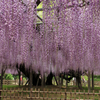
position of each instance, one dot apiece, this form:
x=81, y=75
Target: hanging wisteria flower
x=68, y=38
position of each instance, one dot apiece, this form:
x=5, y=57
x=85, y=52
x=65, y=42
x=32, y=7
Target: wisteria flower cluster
x=69, y=36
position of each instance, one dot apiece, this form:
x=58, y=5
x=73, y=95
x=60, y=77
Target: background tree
x=68, y=40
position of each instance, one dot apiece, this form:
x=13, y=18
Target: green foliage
x=24, y=78
x=9, y=77
x=16, y=76
x=96, y=77
x=86, y=78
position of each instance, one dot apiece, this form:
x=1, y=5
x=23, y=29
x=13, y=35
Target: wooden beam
x=80, y=5
x=39, y=18
x=37, y=2
x=39, y=9
x=27, y=82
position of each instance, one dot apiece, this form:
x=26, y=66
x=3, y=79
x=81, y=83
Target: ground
x=53, y=91
x=15, y=92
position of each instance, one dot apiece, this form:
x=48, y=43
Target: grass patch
x=9, y=86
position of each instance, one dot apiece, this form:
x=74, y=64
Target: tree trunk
x=49, y=79
x=43, y=80
x=56, y=80
x=78, y=81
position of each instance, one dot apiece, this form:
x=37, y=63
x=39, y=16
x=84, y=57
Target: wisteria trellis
x=69, y=36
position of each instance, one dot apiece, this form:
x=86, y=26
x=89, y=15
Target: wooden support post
x=37, y=83
x=19, y=77
x=76, y=82
x=1, y=85
x=61, y=79
x=30, y=83
x=2, y=74
x=15, y=81
x=89, y=81
x=30, y=78
x=22, y=78
x=92, y=80
x=43, y=80
x=1, y=79
x=66, y=81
